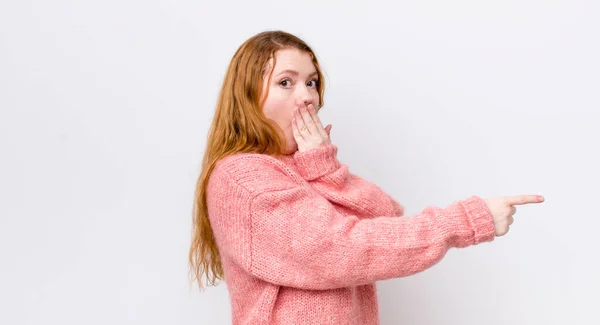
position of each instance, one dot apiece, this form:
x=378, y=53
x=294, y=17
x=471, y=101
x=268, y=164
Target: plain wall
x=105, y=107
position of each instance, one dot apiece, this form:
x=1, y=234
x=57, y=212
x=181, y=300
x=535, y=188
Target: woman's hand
x=308, y=130
x=503, y=209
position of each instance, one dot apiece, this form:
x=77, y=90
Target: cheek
x=279, y=109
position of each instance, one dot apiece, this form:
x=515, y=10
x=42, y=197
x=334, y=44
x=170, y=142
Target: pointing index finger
x=524, y=199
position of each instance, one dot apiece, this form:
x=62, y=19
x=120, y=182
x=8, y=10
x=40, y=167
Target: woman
x=297, y=238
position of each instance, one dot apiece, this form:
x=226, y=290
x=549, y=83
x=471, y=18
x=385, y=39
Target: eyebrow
x=295, y=73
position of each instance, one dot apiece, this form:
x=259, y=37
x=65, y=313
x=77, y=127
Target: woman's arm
x=321, y=168
x=287, y=234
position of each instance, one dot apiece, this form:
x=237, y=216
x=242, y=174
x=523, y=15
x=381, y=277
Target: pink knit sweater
x=303, y=241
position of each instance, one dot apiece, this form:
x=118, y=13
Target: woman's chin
x=290, y=149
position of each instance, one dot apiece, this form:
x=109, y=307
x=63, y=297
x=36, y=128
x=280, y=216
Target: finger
x=297, y=135
x=514, y=210
x=328, y=130
x=308, y=121
x=313, y=114
x=511, y=220
x=524, y=199
x=295, y=129
x=300, y=122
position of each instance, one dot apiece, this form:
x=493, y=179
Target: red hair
x=239, y=125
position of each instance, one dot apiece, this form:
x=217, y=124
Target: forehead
x=293, y=59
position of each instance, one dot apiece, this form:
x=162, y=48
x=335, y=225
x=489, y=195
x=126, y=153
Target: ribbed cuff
x=317, y=162
x=481, y=219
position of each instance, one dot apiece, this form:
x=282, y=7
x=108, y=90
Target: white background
x=105, y=107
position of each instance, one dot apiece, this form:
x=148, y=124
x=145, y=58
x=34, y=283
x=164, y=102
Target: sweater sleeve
x=333, y=180
x=287, y=234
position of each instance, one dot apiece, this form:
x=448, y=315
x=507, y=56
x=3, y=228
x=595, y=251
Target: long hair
x=239, y=126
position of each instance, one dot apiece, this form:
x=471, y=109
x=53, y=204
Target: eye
x=285, y=82
x=315, y=83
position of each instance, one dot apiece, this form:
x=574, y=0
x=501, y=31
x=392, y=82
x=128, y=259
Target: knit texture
x=303, y=241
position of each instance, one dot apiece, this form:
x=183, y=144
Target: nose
x=304, y=97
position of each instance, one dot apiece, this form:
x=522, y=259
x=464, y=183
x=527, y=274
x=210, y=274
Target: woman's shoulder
x=244, y=163
x=254, y=172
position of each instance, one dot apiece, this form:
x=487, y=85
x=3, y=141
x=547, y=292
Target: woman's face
x=293, y=84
